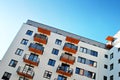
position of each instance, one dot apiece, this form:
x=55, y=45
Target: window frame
x=94, y=53
x=104, y=77
x=29, y=32
x=47, y=74
x=111, y=77
x=105, y=66
x=55, y=51
x=111, y=56
x=111, y=66
x=24, y=41
x=83, y=49
x=81, y=60
x=6, y=75
x=13, y=63
x=51, y=62
x=58, y=41
x=19, y=51
x=106, y=56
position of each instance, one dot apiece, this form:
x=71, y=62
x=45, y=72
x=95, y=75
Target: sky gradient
x=94, y=19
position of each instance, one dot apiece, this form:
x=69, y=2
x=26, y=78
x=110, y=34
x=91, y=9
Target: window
x=72, y=46
x=79, y=71
x=22, y=78
x=51, y=62
x=28, y=69
x=82, y=49
x=94, y=53
x=60, y=77
x=37, y=46
x=105, y=78
x=85, y=73
x=111, y=55
x=33, y=57
x=29, y=32
x=118, y=60
x=89, y=74
x=118, y=49
x=58, y=42
x=119, y=74
x=111, y=67
x=92, y=63
x=81, y=60
x=106, y=56
x=6, y=76
x=111, y=77
x=13, y=63
x=55, y=51
x=24, y=41
x=105, y=66
x=19, y=52
x=47, y=74
x=86, y=61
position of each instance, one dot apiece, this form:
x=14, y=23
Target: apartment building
x=42, y=52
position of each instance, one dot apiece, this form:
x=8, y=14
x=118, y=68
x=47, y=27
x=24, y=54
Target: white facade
x=87, y=65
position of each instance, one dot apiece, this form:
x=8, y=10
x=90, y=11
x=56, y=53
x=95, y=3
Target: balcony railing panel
x=67, y=71
x=67, y=58
x=72, y=40
x=33, y=62
x=44, y=31
x=70, y=48
x=26, y=73
x=36, y=48
x=41, y=38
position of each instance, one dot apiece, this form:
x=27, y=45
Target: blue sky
x=94, y=19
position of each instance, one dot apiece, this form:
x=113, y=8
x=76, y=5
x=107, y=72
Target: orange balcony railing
x=65, y=71
x=70, y=48
x=32, y=61
x=36, y=48
x=72, y=40
x=44, y=31
x=26, y=73
x=67, y=58
x=110, y=38
x=40, y=38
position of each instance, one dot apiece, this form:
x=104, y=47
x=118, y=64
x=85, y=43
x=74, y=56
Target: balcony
x=29, y=73
x=33, y=61
x=36, y=48
x=67, y=58
x=72, y=40
x=67, y=71
x=40, y=38
x=44, y=31
x=110, y=38
x=70, y=48
x=109, y=46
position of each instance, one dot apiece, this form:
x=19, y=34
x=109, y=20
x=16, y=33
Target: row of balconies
x=64, y=57
x=38, y=48
x=29, y=73
x=41, y=38
x=67, y=71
